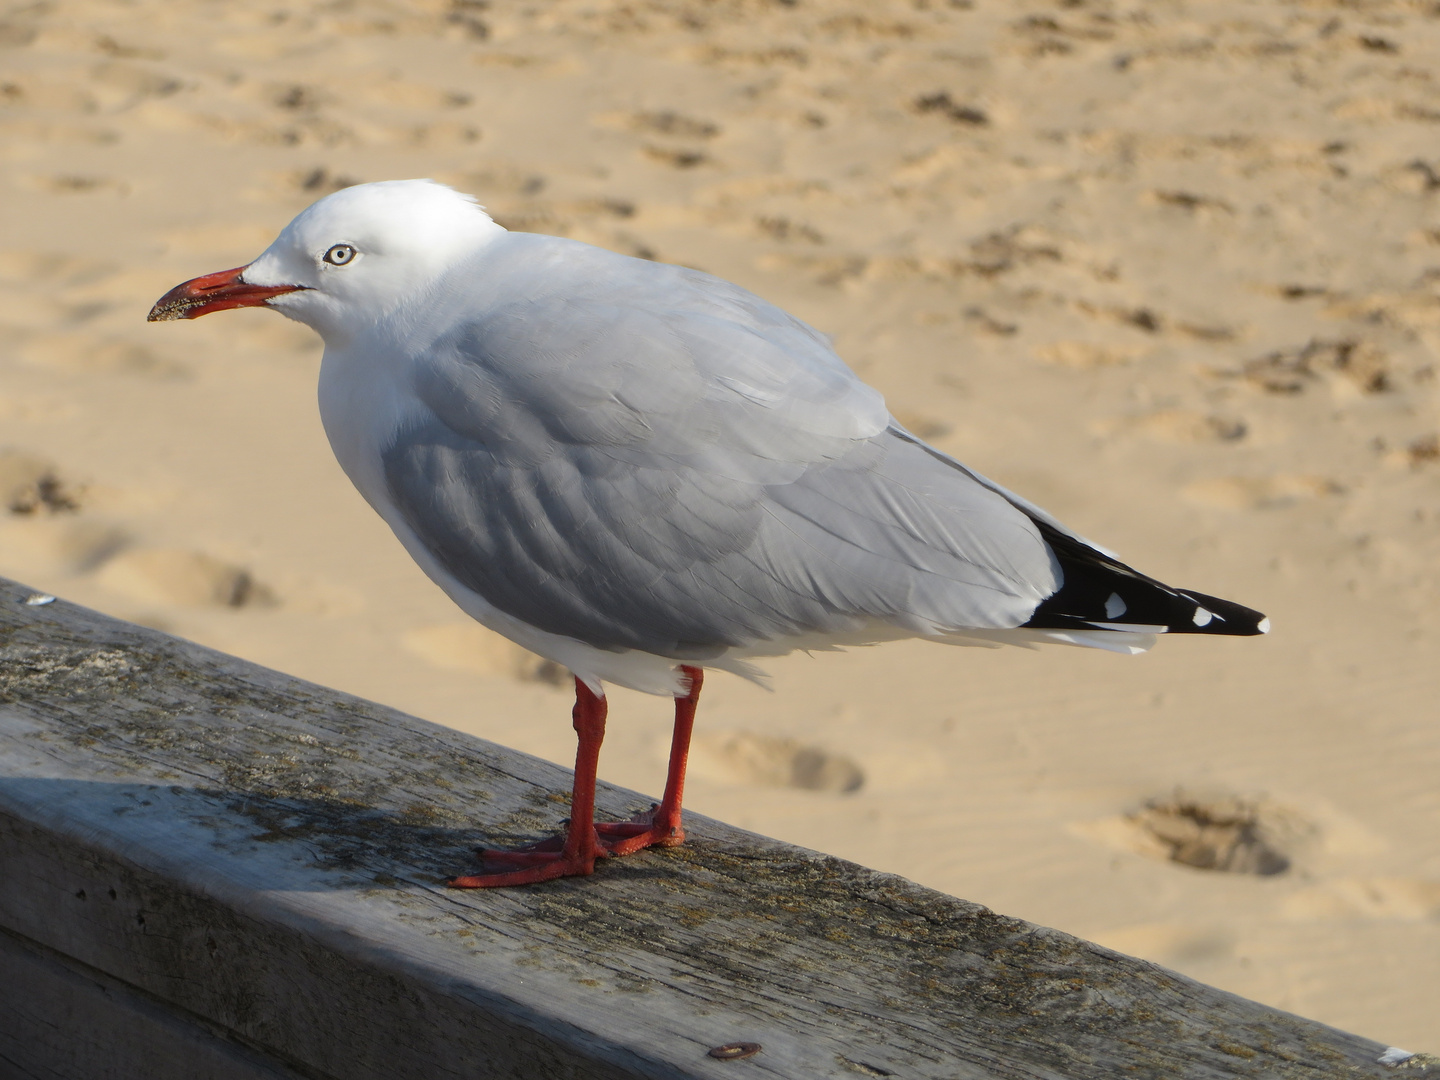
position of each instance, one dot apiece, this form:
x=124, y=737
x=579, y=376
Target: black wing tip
x=1152, y=608
x=1098, y=592
x=1225, y=617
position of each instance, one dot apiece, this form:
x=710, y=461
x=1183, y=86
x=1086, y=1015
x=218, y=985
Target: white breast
x=364, y=400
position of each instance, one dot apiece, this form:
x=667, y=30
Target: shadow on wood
x=214, y=870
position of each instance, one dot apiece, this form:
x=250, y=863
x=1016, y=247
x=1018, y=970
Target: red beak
x=213, y=292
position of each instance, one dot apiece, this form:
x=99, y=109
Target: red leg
x=581, y=848
x=661, y=825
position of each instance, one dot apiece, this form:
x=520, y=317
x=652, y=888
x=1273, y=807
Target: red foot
x=546, y=859
x=574, y=855
x=537, y=866
x=640, y=832
x=540, y=861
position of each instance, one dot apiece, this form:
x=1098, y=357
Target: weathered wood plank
x=264, y=858
x=62, y=1021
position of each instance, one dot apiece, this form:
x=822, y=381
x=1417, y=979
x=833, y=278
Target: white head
x=360, y=252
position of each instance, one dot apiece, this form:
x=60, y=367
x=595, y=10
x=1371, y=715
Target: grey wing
x=690, y=479
x=895, y=531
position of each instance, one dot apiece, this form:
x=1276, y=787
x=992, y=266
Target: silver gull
x=640, y=471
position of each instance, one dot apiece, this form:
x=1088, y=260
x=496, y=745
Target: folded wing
x=697, y=475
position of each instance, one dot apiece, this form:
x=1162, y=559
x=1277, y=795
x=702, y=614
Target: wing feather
x=699, y=475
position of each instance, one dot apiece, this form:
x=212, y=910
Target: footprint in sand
x=1354, y=367
x=787, y=230
x=40, y=529
x=31, y=485
x=1228, y=833
x=676, y=157
x=470, y=647
x=1417, y=454
x=1211, y=831
x=672, y=125
x=741, y=757
x=190, y=578
x=1191, y=203
x=320, y=181
x=959, y=112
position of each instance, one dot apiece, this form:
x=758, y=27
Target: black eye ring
x=340, y=254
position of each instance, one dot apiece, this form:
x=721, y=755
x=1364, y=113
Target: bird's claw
x=532, y=866
x=653, y=828
x=546, y=859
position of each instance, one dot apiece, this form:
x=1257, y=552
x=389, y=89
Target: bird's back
x=642, y=456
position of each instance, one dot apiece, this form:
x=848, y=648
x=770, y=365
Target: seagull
x=640, y=471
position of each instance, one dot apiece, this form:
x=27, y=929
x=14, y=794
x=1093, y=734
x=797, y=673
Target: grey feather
x=700, y=474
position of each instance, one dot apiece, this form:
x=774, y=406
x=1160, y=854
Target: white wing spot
x=1203, y=617
x=1114, y=606
x=1263, y=626
x=1395, y=1056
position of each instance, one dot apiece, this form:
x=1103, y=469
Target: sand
x=1168, y=269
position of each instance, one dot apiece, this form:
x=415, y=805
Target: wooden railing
x=213, y=870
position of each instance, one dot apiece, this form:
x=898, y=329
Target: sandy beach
x=1170, y=270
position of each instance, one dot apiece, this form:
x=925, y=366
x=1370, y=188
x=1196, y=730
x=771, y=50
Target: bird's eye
x=340, y=254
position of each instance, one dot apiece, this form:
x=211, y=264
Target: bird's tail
x=1101, y=593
